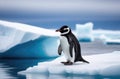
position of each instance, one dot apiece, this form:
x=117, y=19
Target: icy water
x=10, y=67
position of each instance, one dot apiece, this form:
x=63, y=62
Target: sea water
x=9, y=68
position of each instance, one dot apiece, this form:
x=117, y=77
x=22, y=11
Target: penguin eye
x=66, y=28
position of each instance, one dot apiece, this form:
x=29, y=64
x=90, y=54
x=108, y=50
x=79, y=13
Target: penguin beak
x=58, y=30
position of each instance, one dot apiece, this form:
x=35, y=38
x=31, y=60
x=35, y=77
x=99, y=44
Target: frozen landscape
x=99, y=47
x=29, y=43
x=26, y=41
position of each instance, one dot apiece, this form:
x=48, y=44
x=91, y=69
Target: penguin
x=70, y=46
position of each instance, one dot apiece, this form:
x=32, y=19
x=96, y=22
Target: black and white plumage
x=70, y=46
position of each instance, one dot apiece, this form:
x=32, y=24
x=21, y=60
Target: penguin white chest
x=64, y=44
x=65, y=47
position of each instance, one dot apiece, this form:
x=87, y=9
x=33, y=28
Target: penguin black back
x=72, y=39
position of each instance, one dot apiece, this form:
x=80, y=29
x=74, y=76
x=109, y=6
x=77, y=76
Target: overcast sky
x=62, y=6
x=58, y=12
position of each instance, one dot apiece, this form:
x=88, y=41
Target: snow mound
x=101, y=64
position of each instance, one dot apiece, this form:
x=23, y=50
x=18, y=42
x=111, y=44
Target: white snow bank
x=101, y=64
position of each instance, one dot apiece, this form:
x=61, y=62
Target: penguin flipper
x=59, y=49
x=71, y=45
x=71, y=49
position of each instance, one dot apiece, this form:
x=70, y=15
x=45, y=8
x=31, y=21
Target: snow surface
x=101, y=64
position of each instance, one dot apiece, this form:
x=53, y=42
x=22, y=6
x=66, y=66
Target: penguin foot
x=67, y=63
x=63, y=62
x=85, y=61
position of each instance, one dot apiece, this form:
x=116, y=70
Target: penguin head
x=64, y=30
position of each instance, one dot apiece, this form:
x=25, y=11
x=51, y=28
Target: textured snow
x=101, y=64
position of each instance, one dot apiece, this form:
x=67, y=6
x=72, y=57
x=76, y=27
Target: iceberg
x=112, y=41
x=22, y=40
x=101, y=64
x=84, y=32
x=106, y=33
x=109, y=37
x=38, y=48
